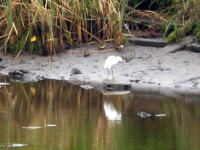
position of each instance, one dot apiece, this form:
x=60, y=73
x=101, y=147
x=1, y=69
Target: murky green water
x=54, y=115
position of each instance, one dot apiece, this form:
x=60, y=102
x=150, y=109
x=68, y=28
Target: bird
x=111, y=112
x=110, y=62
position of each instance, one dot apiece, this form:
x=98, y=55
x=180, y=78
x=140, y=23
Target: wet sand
x=152, y=69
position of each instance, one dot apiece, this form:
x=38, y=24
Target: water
x=54, y=115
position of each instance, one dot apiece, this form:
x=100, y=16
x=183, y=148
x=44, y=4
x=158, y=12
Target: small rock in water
x=147, y=115
x=144, y=114
x=12, y=145
x=160, y=115
x=17, y=74
x=51, y=125
x=16, y=145
x=32, y=127
x=87, y=87
x=75, y=71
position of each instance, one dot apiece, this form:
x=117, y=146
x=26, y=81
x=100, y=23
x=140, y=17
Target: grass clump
x=47, y=26
x=184, y=16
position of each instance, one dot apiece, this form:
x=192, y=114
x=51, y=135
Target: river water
x=55, y=115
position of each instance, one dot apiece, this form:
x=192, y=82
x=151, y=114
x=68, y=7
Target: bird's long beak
x=122, y=62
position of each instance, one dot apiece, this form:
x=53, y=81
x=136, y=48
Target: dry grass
x=55, y=24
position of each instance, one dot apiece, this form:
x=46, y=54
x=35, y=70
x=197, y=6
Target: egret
x=110, y=62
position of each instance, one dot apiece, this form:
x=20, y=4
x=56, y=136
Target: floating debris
x=87, y=87
x=4, y=83
x=160, y=115
x=13, y=145
x=17, y=145
x=147, y=115
x=115, y=92
x=144, y=114
x=32, y=127
x=51, y=125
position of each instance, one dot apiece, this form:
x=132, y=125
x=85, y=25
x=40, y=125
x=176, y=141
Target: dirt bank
x=151, y=69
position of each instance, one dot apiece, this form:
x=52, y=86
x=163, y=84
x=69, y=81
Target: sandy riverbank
x=151, y=69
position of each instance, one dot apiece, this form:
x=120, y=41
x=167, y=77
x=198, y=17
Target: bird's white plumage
x=111, y=113
x=110, y=62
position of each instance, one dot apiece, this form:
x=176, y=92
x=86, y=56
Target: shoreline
x=152, y=68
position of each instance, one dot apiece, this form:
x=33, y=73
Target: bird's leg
x=112, y=75
x=108, y=74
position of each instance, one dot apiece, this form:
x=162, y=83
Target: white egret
x=111, y=113
x=110, y=62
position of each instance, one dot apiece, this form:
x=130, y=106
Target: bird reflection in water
x=110, y=62
x=111, y=112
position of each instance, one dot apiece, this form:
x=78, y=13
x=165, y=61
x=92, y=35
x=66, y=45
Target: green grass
x=184, y=19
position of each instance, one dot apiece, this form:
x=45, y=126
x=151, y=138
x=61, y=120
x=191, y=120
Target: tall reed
x=46, y=26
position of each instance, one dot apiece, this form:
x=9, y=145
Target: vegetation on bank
x=184, y=19
x=47, y=26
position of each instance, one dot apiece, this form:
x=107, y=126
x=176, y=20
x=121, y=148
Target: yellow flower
x=33, y=39
x=33, y=91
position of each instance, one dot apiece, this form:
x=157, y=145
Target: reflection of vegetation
x=81, y=122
